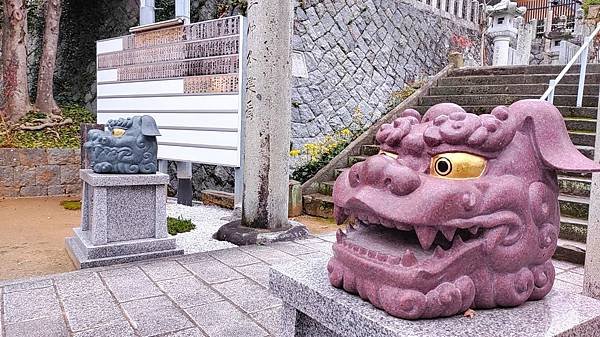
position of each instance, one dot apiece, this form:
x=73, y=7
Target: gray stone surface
x=124, y=219
x=322, y=309
x=91, y=308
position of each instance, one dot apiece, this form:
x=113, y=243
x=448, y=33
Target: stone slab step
x=583, y=137
x=516, y=70
x=580, y=124
x=571, y=251
x=503, y=99
x=515, y=79
x=218, y=198
x=576, y=186
x=514, y=89
x=318, y=205
x=326, y=187
x=369, y=150
x=356, y=159
x=566, y=111
x=573, y=229
x=338, y=172
x=574, y=206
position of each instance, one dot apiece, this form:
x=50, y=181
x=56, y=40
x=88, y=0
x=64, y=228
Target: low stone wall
x=39, y=172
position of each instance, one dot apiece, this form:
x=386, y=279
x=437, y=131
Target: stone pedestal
x=312, y=307
x=123, y=219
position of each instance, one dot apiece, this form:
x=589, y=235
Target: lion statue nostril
x=401, y=180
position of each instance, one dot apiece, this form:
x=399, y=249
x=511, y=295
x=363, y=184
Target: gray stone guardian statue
x=128, y=145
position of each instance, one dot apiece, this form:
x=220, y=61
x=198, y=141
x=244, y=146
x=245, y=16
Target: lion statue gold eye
x=457, y=165
x=118, y=132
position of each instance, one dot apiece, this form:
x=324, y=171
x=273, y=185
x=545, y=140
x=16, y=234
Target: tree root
x=46, y=123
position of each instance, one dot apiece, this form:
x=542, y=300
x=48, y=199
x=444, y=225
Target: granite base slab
x=81, y=260
x=312, y=307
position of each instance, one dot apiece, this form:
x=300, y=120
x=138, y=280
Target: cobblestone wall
x=357, y=52
x=39, y=172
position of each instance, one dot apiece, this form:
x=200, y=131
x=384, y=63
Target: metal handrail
x=582, y=54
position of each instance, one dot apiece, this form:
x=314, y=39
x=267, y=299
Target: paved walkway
x=220, y=293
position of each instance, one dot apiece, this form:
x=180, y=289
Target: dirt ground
x=33, y=231
x=32, y=236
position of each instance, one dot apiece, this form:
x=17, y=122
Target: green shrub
x=179, y=225
x=587, y=3
x=66, y=136
x=71, y=205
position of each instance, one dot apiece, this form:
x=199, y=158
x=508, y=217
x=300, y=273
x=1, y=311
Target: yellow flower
x=294, y=153
x=345, y=132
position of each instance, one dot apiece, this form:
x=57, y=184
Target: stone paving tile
x=193, y=332
x=28, y=285
x=44, y=327
x=222, y=319
x=213, y=271
x=323, y=247
x=130, y=284
x=567, y=287
x=193, y=258
x=120, y=329
x=577, y=270
x=270, y=319
x=306, y=241
x=328, y=237
x=314, y=256
x=269, y=255
x=564, y=265
x=164, y=270
x=189, y=292
x=248, y=295
x=31, y=304
x=233, y=257
x=156, y=315
x=258, y=272
x=570, y=277
x=292, y=248
x=85, y=311
x=78, y=283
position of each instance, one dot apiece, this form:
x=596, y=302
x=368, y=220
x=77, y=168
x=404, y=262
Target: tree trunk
x=44, y=100
x=15, y=88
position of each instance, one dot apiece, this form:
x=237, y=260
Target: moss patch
x=179, y=225
x=71, y=205
x=66, y=136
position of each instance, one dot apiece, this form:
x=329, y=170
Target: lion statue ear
x=549, y=133
x=149, y=127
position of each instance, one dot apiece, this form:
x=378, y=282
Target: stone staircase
x=479, y=90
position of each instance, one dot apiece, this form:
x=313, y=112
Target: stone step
x=516, y=70
x=583, y=137
x=369, y=150
x=566, y=111
x=573, y=229
x=580, y=124
x=338, y=172
x=356, y=159
x=542, y=79
x=574, y=206
x=326, y=187
x=503, y=99
x=571, y=251
x=514, y=89
x=576, y=186
x=318, y=205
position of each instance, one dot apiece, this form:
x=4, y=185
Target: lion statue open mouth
x=457, y=211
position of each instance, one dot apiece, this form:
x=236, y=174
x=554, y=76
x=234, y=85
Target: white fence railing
x=468, y=10
x=581, y=54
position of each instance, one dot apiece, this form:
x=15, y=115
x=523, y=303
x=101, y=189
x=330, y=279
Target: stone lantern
x=503, y=29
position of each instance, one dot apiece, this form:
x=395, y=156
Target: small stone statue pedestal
x=123, y=219
x=313, y=307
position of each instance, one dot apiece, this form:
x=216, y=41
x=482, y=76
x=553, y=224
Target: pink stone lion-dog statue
x=457, y=211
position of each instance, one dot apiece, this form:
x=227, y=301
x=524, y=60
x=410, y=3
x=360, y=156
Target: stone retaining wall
x=39, y=172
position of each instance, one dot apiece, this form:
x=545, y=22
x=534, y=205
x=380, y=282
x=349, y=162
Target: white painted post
x=434, y=4
x=460, y=4
x=182, y=10
x=468, y=11
x=591, y=275
x=582, y=70
x=451, y=6
x=146, y=12
x=163, y=166
x=475, y=8
x=443, y=5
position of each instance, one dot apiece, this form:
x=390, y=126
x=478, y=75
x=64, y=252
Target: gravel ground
x=207, y=219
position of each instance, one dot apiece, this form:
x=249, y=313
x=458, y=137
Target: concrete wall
x=39, y=172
